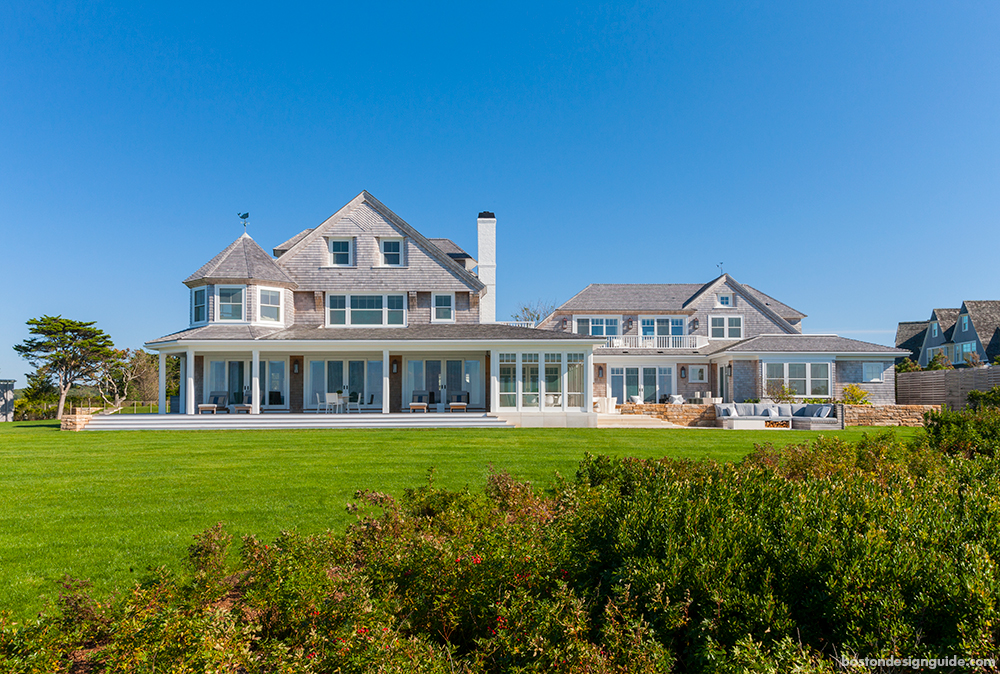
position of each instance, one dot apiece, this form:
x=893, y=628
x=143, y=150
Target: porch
x=177, y=422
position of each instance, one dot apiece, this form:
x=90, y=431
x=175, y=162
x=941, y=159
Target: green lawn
x=106, y=506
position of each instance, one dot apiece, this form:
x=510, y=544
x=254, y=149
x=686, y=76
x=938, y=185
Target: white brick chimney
x=487, y=254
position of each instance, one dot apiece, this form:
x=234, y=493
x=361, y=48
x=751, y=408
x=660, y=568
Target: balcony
x=518, y=324
x=660, y=343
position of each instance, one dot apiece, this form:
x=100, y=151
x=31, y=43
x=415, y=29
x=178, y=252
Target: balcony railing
x=518, y=324
x=661, y=342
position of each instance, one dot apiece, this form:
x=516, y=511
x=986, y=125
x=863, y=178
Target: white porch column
x=189, y=382
x=385, y=381
x=494, y=382
x=161, y=400
x=255, y=385
x=588, y=398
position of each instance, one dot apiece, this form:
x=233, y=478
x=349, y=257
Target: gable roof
x=280, y=249
x=666, y=297
x=910, y=336
x=985, y=317
x=455, y=268
x=811, y=344
x=242, y=260
x=451, y=249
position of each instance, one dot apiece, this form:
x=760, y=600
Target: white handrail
x=658, y=342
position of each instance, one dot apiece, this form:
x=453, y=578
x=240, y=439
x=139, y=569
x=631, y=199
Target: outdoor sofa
x=806, y=417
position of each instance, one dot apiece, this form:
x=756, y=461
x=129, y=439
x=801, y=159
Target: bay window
x=269, y=306
x=199, y=305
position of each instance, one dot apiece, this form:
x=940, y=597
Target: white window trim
x=350, y=251
x=621, y=323
x=934, y=329
x=965, y=323
x=402, y=251
x=281, y=306
x=218, y=307
x=434, y=318
x=673, y=317
x=809, y=378
x=347, y=311
x=690, y=373
x=193, y=291
x=881, y=373
x=726, y=317
x=720, y=305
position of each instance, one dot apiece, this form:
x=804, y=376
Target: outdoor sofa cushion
x=744, y=410
x=785, y=410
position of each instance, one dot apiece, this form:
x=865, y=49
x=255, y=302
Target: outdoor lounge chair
x=419, y=401
x=458, y=402
x=217, y=403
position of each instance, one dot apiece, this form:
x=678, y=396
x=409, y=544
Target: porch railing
x=656, y=342
x=518, y=324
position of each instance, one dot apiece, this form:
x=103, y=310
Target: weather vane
x=718, y=265
x=244, y=217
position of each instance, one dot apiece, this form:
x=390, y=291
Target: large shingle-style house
x=367, y=305
x=721, y=339
x=957, y=333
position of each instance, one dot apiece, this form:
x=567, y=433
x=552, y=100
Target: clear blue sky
x=842, y=157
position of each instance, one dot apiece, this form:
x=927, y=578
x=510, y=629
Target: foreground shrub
x=779, y=563
x=964, y=433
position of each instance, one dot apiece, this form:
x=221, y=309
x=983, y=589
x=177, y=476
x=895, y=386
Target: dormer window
x=231, y=303
x=199, y=305
x=269, y=308
x=934, y=329
x=341, y=252
x=965, y=323
x=392, y=252
x=724, y=300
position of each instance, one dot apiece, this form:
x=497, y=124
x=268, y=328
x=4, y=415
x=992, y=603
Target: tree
x=907, y=365
x=40, y=387
x=939, y=362
x=70, y=351
x=533, y=311
x=120, y=374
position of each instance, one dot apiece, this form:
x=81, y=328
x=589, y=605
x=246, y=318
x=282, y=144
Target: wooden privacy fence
x=944, y=387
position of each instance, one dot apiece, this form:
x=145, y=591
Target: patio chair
x=458, y=402
x=419, y=401
x=217, y=403
x=354, y=403
x=245, y=407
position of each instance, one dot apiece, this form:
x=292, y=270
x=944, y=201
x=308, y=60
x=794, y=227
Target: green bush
x=773, y=564
x=963, y=433
x=978, y=399
x=855, y=395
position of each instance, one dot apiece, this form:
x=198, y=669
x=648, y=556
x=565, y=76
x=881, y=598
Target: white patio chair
x=323, y=403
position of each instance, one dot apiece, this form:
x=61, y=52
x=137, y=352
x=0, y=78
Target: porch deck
x=179, y=422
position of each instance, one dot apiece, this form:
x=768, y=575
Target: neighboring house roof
x=280, y=249
x=810, y=344
x=985, y=317
x=451, y=249
x=242, y=260
x=482, y=331
x=946, y=319
x=456, y=268
x=910, y=336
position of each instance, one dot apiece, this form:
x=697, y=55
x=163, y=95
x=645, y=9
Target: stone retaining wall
x=681, y=415
x=74, y=422
x=887, y=415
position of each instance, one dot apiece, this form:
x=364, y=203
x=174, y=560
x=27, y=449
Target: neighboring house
x=720, y=339
x=958, y=333
x=6, y=400
x=366, y=304
x=910, y=337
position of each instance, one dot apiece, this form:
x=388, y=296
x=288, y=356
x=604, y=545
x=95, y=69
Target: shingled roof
x=946, y=320
x=242, y=260
x=451, y=249
x=985, y=317
x=811, y=344
x=910, y=336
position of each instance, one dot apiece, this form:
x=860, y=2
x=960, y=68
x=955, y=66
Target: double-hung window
x=392, y=252
x=199, y=305
x=965, y=323
x=366, y=310
x=341, y=252
x=726, y=327
x=269, y=307
x=231, y=303
x=443, y=309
